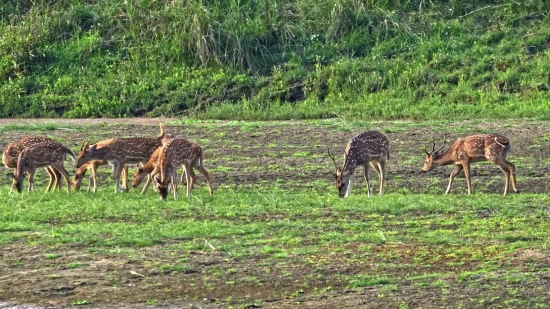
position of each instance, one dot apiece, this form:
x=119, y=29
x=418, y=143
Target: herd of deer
x=159, y=158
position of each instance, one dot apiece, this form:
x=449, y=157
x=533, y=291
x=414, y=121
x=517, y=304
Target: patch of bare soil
x=214, y=280
x=290, y=156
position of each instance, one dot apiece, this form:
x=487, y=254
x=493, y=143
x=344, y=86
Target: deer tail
x=71, y=155
x=504, y=142
x=200, y=157
x=162, y=133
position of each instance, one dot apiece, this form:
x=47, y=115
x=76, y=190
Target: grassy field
x=274, y=60
x=275, y=234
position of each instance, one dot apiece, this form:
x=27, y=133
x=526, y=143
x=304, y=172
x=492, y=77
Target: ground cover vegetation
x=275, y=234
x=274, y=59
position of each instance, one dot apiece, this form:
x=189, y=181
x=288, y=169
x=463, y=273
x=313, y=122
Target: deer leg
x=57, y=176
x=12, y=183
x=174, y=175
x=187, y=168
x=192, y=175
x=512, y=168
x=366, y=166
x=61, y=169
x=203, y=171
x=125, y=175
x=381, y=175
x=183, y=178
x=31, y=182
x=507, y=179
x=509, y=170
x=116, y=175
x=147, y=183
x=52, y=179
x=455, y=172
x=93, y=177
x=467, y=173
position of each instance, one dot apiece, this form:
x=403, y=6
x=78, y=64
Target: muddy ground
x=271, y=154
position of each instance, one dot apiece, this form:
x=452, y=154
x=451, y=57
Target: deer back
x=174, y=152
x=11, y=153
x=42, y=155
x=481, y=147
x=366, y=147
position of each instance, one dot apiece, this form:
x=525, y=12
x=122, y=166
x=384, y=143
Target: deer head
x=433, y=155
x=88, y=153
x=137, y=177
x=17, y=183
x=341, y=176
x=78, y=177
x=164, y=187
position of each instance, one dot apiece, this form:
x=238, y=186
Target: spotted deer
x=11, y=154
x=49, y=153
x=119, y=152
x=148, y=169
x=368, y=148
x=92, y=166
x=176, y=151
x=474, y=148
x=151, y=169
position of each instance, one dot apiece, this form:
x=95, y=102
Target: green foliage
x=275, y=59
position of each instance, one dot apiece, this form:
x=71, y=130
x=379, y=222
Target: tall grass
x=275, y=59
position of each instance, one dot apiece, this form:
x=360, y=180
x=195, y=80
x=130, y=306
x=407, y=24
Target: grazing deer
x=44, y=154
x=93, y=165
x=151, y=169
x=148, y=169
x=368, y=148
x=119, y=152
x=176, y=151
x=474, y=148
x=11, y=154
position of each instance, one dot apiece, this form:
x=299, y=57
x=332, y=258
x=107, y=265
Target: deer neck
x=445, y=158
x=349, y=166
x=165, y=160
x=147, y=168
x=82, y=170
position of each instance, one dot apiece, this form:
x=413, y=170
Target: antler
x=84, y=145
x=444, y=142
x=335, y=166
x=438, y=149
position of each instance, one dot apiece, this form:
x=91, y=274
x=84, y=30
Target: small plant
x=81, y=302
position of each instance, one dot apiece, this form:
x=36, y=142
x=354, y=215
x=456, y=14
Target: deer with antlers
x=176, y=151
x=368, y=148
x=11, y=154
x=49, y=153
x=121, y=151
x=474, y=148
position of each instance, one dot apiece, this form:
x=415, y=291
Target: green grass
x=105, y=220
x=259, y=60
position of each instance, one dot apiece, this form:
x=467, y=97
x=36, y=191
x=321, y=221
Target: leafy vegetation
x=275, y=59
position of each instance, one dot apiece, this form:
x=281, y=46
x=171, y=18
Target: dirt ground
x=273, y=154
